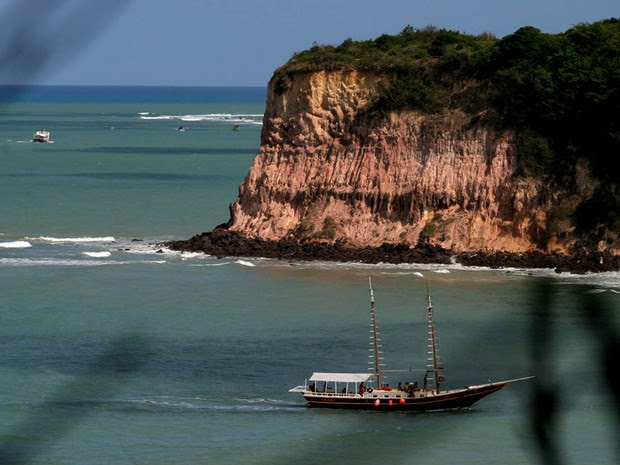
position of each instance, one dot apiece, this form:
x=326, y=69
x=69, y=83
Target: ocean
x=116, y=350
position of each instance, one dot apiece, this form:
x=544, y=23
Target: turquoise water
x=114, y=352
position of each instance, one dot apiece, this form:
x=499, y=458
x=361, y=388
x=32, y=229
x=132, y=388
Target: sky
x=232, y=42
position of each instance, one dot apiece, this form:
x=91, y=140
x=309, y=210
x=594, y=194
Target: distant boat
x=41, y=136
x=236, y=127
x=347, y=390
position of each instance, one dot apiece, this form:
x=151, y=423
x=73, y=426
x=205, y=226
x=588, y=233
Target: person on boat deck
x=415, y=387
x=324, y=387
x=344, y=390
x=406, y=389
x=386, y=387
x=362, y=389
x=400, y=386
x=425, y=385
x=313, y=387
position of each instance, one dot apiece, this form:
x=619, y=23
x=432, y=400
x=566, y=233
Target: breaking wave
x=69, y=262
x=97, y=254
x=221, y=263
x=242, y=118
x=75, y=239
x=15, y=245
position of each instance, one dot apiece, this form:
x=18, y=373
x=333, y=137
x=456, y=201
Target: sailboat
x=367, y=391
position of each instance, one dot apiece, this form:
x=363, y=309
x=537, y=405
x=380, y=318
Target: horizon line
x=130, y=85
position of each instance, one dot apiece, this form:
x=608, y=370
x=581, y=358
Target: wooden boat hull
x=456, y=399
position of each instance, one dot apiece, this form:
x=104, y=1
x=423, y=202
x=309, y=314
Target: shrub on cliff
x=428, y=232
x=304, y=229
x=329, y=229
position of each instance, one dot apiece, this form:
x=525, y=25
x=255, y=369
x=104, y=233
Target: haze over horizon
x=223, y=43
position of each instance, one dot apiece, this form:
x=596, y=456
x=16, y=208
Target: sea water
x=115, y=350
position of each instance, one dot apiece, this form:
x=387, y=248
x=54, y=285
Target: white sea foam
x=220, y=263
x=150, y=249
x=601, y=291
x=15, y=245
x=156, y=117
x=75, y=239
x=241, y=118
x=257, y=408
x=261, y=400
x=441, y=271
x=153, y=249
x=166, y=403
x=212, y=264
x=607, y=280
x=248, y=405
x=186, y=255
x=97, y=254
x=70, y=262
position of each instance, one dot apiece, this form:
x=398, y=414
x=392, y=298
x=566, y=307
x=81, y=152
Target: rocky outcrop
x=328, y=172
x=221, y=243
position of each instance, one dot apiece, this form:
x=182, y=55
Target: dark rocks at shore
x=221, y=243
x=582, y=261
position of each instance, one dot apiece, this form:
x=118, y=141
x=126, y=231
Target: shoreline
x=222, y=243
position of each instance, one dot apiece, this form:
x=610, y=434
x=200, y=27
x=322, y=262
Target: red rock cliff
x=323, y=173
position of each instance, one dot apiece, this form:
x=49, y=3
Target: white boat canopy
x=342, y=377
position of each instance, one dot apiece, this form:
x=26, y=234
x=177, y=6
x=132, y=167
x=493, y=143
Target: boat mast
x=432, y=343
x=374, y=336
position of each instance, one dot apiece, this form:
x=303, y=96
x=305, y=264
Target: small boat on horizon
x=367, y=391
x=41, y=136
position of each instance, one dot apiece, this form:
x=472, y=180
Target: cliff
x=322, y=174
x=432, y=144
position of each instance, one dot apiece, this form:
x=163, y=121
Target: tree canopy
x=563, y=88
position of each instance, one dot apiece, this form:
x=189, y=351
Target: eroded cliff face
x=325, y=173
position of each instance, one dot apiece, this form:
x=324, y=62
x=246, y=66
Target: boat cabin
x=337, y=383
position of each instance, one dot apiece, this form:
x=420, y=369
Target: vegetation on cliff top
x=560, y=93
